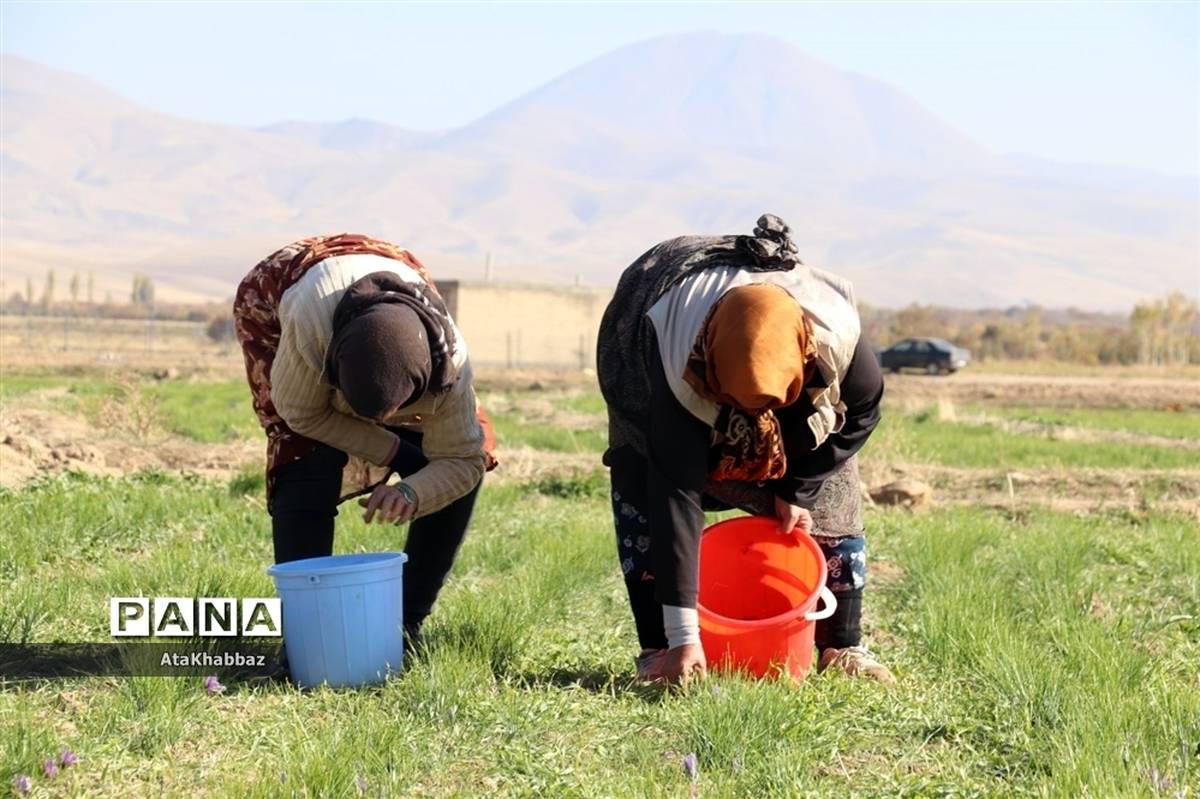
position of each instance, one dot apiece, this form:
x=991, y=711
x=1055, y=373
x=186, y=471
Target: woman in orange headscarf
x=735, y=376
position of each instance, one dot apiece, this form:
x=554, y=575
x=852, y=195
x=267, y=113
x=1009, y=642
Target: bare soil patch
x=1076, y=489
x=493, y=379
x=35, y=440
x=541, y=409
x=521, y=464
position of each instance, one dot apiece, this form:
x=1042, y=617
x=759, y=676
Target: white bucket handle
x=828, y=610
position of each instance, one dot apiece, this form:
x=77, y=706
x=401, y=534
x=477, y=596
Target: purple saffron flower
x=50, y=767
x=1160, y=782
x=22, y=784
x=213, y=685
x=68, y=758
x=361, y=784
x=690, y=767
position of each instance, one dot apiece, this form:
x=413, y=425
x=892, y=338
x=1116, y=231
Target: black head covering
x=392, y=344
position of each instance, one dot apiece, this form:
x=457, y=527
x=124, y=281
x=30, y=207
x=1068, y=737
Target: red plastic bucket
x=758, y=597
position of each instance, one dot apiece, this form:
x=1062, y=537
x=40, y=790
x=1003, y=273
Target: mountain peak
x=749, y=94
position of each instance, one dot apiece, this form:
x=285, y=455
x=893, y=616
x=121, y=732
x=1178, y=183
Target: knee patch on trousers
x=845, y=562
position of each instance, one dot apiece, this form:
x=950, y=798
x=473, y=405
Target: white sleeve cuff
x=682, y=626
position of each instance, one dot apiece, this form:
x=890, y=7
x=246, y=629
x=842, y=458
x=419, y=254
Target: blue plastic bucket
x=343, y=617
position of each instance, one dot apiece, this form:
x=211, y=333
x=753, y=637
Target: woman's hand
x=792, y=517
x=389, y=504
x=684, y=662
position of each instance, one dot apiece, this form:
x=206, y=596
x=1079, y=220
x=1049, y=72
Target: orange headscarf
x=755, y=346
x=751, y=356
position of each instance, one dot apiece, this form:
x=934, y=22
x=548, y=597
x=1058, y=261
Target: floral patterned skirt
x=837, y=512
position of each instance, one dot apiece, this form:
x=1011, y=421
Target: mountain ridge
x=571, y=181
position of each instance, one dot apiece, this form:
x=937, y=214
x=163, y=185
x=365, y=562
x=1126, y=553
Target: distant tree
x=1165, y=330
x=915, y=320
x=143, y=290
x=28, y=290
x=1146, y=321
x=989, y=341
x=1070, y=343
x=48, y=291
x=91, y=288
x=1031, y=332
x=1179, y=318
x=73, y=287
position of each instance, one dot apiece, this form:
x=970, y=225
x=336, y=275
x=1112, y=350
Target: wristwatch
x=410, y=495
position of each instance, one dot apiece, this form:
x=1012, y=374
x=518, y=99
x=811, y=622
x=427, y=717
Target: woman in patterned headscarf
x=735, y=376
x=357, y=372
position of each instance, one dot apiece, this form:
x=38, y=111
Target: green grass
x=1010, y=683
x=514, y=429
x=1039, y=654
x=1168, y=424
x=583, y=402
x=511, y=433
x=15, y=385
x=922, y=437
x=206, y=412
x=202, y=411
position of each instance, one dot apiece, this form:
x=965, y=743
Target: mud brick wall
x=527, y=325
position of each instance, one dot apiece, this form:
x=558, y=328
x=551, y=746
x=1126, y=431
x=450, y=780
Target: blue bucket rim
x=329, y=564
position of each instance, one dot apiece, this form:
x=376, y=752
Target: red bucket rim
x=803, y=539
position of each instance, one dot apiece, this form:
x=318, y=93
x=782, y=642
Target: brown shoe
x=855, y=661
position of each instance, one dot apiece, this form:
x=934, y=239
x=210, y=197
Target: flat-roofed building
x=527, y=325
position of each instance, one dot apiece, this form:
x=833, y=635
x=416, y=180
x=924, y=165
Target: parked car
x=931, y=355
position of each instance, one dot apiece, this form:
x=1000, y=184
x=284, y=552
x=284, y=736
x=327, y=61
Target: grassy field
x=1039, y=652
x=969, y=444
x=1169, y=424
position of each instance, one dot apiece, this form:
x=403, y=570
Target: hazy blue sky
x=1113, y=83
